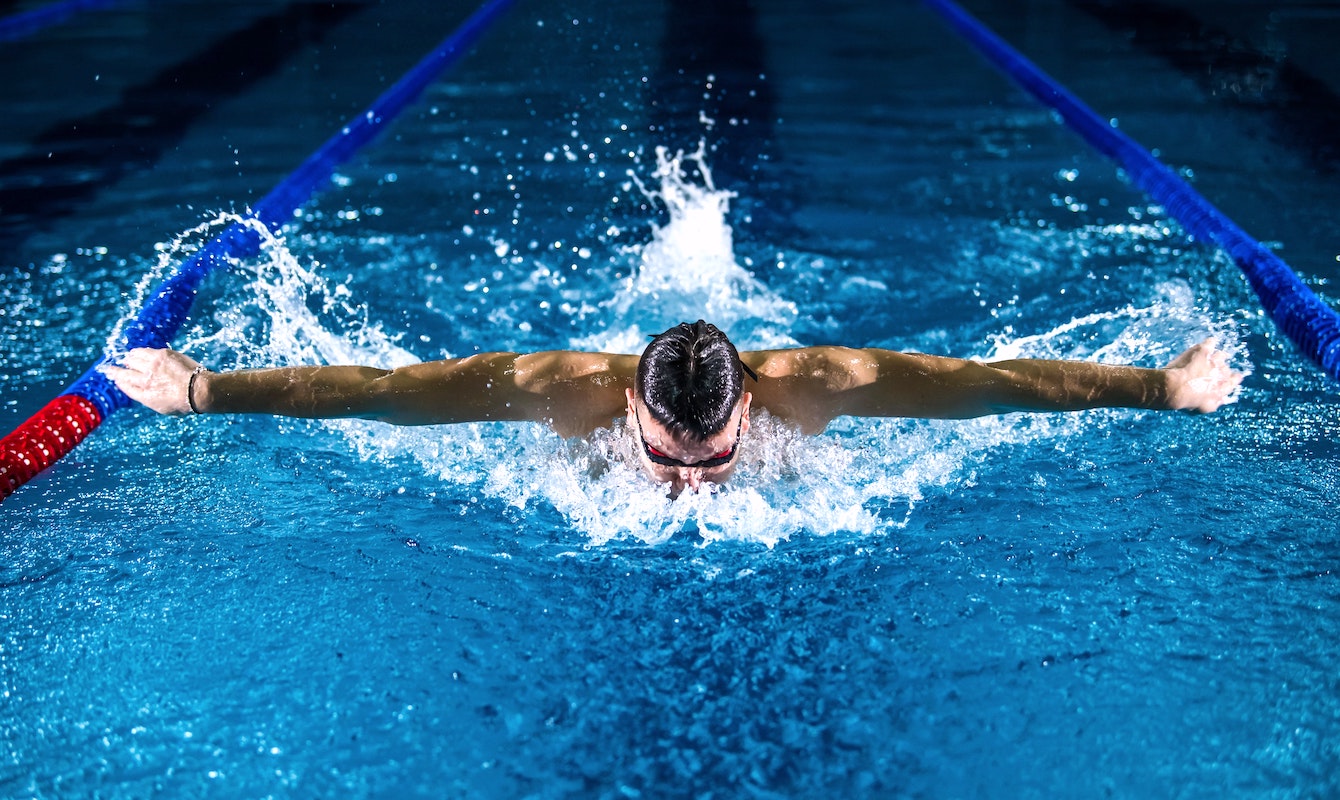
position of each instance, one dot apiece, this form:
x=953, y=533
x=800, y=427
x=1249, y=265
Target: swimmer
x=685, y=397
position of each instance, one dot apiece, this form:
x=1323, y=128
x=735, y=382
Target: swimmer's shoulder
x=577, y=392
x=553, y=367
x=810, y=386
x=802, y=386
x=830, y=367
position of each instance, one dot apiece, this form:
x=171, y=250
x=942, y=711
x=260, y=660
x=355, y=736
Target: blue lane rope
x=24, y=24
x=168, y=306
x=1305, y=318
x=68, y=419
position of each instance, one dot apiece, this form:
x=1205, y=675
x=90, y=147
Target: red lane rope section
x=64, y=422
x=49, y=435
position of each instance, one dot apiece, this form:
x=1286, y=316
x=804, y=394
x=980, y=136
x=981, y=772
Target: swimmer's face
x=687, y=462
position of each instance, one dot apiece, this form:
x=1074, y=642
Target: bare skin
x=576, y=392
x=690, y=451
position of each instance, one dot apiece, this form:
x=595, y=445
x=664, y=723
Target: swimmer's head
x=688, y=406
x=690, y=379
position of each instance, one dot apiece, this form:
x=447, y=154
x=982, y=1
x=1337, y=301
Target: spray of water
x=688, y=270
x=168, y=256
x=861, y=477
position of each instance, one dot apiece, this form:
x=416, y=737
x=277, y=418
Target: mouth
x=705, y=487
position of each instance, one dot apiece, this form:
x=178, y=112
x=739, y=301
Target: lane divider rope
x=1304, y=317
x=63, y=423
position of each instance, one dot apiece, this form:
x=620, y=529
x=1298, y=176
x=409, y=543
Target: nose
x=692, y=478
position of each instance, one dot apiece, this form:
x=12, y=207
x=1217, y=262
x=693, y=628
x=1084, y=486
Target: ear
x=745, y=400
x=632, y=407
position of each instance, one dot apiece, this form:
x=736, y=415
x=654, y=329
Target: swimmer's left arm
x=825, y=383
x=1197, y=380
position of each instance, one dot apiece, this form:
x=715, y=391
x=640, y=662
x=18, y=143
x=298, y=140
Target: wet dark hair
x=690, y=378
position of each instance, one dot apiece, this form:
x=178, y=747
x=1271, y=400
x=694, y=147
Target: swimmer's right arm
x=572, y=392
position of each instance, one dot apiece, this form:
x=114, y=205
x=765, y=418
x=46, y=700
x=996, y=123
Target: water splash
x=1145, y=335
x=277, y=309
x=861, y=477
x=168, y=257
x=688, y=270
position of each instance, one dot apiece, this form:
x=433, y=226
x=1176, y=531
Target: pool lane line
x=1304, y=317
x=67, y=420
x=26, y=23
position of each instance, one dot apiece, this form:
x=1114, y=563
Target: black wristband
x=190, y=390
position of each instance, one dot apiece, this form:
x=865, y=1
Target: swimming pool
x=1120, y=602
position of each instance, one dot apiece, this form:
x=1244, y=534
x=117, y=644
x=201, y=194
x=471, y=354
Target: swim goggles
x=657, y=457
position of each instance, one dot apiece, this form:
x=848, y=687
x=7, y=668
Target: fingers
x=139, y=361
x=1201, y=378
x=142, y=359
x=1194, y=353
x=125, y=379
x=1217, y=384
x=156, y=378
x=134, y=371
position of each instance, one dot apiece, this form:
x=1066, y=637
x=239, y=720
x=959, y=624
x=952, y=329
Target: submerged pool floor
x=1121, y=603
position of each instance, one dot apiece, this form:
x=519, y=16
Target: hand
x=1200, y=378
x=158, y=379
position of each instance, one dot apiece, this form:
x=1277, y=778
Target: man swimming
x=685, y=397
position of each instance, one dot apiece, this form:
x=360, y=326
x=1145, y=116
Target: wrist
x=197, y=390
x=1175, y=388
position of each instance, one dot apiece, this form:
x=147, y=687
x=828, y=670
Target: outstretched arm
x=813, y=385
x=573, y=392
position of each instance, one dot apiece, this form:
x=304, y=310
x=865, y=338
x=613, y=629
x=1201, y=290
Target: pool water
x=1114, y=602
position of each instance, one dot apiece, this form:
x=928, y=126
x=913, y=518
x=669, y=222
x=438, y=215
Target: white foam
x=862, y=477
x=285, y=311
x=1147, y=335
x=168, y=257
x=688, y=270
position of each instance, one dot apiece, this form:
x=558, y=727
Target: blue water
x=1110, y=603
